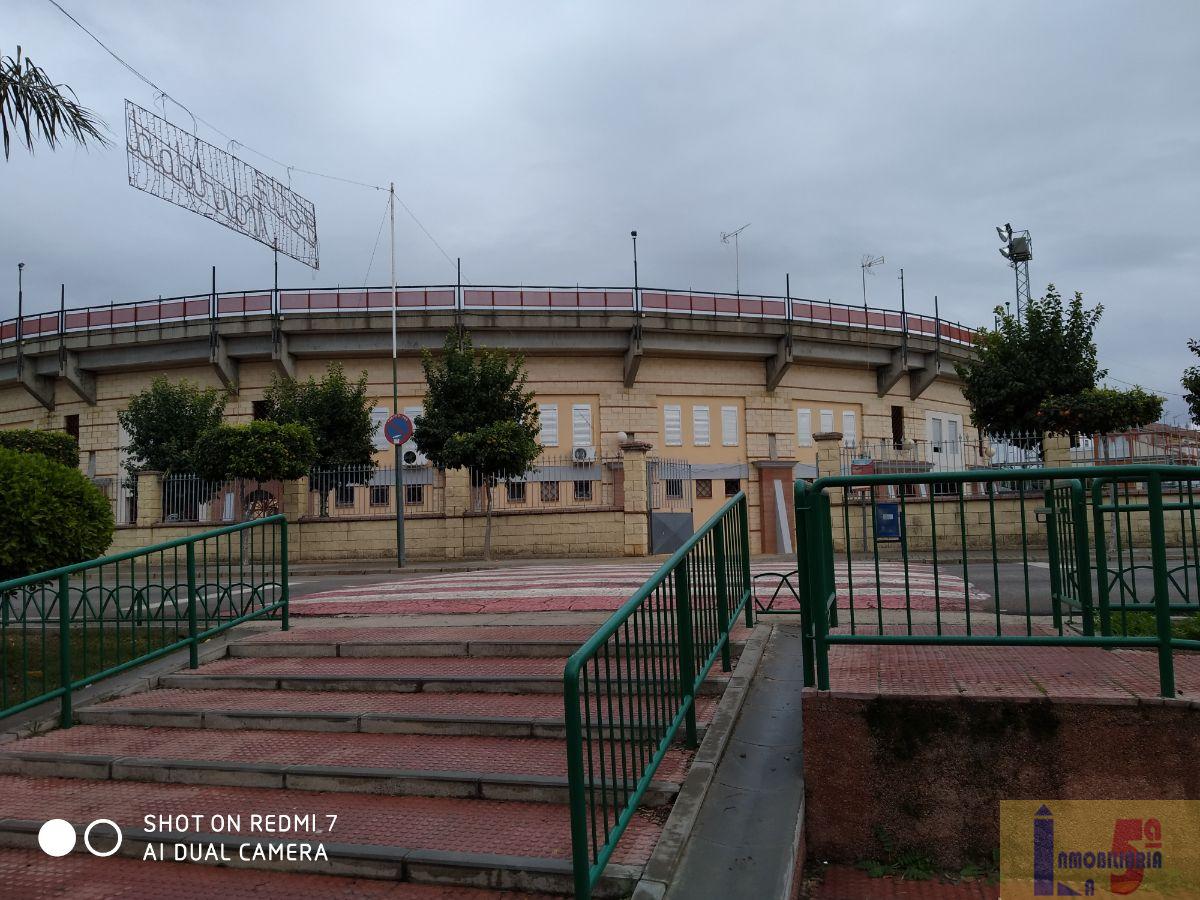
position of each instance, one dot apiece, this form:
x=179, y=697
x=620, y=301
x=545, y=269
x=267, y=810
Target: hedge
x=51, y=515
x=56, y=445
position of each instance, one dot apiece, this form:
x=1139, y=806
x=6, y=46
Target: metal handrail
x=211, y=589
x=655, y=652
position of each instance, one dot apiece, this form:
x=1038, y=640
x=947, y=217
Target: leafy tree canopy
x=261, y=451
x=165, y=422
x=1038, y=372
x=1191, y=384
x=336, y=411
x=478, y=415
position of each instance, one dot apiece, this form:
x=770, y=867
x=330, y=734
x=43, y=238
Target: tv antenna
x=737, y=261
x=869, y=262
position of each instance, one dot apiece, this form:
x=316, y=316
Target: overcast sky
x=529, y=138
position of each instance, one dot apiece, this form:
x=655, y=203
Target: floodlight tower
x=737, y=261
x=1018, y=250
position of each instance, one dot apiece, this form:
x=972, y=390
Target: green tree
x=30, y=103
x=478, y=415
x=336, y=410
x=1038, y=372
x=52, y=515
x=165, y=422
x=1191, y=384
x=258, y=451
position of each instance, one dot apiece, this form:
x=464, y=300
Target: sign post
x=398, y=429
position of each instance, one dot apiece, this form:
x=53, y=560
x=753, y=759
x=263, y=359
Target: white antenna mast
x=737, y=260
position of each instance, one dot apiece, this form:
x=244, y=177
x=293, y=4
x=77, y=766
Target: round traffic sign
x=398, y=429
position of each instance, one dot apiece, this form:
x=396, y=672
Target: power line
x=1132, y=384
x=234, y=142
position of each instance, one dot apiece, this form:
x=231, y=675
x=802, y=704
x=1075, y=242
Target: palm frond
x=31, y=105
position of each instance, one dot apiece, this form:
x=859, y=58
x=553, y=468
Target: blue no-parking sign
x=398, y=429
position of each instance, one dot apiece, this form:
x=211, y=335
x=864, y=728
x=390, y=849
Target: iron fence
x=632, y=686
x=553, y=484
x=121, y=493
x=889, y=457
x=368, y=492
x=189, y=498
x=70, y=627
x=958, y=589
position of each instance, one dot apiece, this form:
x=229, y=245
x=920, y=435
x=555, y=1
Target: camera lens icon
x=57, y=837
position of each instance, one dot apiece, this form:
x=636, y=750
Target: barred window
x=732, y=486
x=381, y=494
x=414, y=494
x=549, y=491
x=515, y=491
x=583, y=490
x=703, y=488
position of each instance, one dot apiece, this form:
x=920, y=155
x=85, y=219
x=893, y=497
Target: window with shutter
x=548, y=415
x=827, y=420
x=673, y=426
x=412, y=412
x=729, y=426
x=700, y=429
x=379, y=415
x=581, y=425
x=804, y=430
x=849, y=428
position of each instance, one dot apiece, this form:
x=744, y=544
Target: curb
x=668, y=852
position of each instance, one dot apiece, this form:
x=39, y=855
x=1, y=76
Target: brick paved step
x=480, y=843
x=496, y=768
x=32, y=875
x=443, y=712
x=437, y=673
x=495, y=641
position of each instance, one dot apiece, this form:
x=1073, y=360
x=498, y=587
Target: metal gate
x=670, y=497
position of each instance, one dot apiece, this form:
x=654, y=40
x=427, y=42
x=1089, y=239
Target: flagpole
x=395, y=383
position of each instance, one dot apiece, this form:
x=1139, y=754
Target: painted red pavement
x=472, y=634
x=421, y=752
x=506, y=828
x=1076, y=672
x=605, y=586
x=32, y=875
x=545, y=707
x=846, y=883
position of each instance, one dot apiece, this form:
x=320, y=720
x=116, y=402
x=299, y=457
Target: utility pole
x=396, y=383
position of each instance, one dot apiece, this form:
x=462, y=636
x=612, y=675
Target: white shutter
x=412, y=412
x=804, y=430
x=827, y=420
x=379, y=415
x=849, y=428
x=952, y=428
x=548, y=415
x=729, y=426
x=701, y=436
x=673, y=425
x=581, y=425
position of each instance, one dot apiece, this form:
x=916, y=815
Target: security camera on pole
x=1018, y=250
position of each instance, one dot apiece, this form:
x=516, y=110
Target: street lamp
x=737, y=260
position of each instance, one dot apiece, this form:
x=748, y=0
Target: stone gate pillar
x=637, y=497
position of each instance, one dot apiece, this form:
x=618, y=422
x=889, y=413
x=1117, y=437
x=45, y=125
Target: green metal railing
x=994, y=521
x=70, y=627
x=631, y=687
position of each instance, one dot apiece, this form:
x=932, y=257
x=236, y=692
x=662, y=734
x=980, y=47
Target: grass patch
x=913, y=864
x=29, y=658
x=1143, y=624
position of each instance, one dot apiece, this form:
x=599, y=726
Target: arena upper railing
x=501, y=298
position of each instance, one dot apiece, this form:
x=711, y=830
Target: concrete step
x=496, y=768
x=506, y=845
x=446, y=712
x=482, y=641
x=30, y=875
x=403, y=674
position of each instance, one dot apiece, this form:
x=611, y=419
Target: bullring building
x=718, y=393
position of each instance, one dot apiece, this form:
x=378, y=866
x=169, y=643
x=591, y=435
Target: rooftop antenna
x=869, y=262
x=737, y=262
